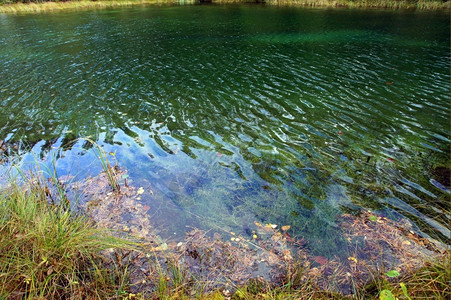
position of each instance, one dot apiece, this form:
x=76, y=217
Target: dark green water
x=236, y=114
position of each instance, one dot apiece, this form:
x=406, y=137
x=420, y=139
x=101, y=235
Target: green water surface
x=237, y=114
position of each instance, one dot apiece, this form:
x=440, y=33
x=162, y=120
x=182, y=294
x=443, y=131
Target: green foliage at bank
x=18, y=6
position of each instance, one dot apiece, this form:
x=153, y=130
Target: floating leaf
x=373, y=218
x=386, y=295
x=140, y=191
x=392, y=273
x=219, y=154
x=254, y=236
x=340, y=132
x=389, y=83
x=286, y=227
x=146, y=207
x=320, y=259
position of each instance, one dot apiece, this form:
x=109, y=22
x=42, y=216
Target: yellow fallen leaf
x=269, y=225
x=352, y=258
x=232, y=233
x=258, y=224
x=232, y=239
x=140, y=191
x=286, y=227
x=254, y=236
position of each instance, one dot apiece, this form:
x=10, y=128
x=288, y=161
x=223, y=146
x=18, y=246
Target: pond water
x=236, y=114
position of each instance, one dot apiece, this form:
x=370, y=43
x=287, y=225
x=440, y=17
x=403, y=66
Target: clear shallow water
x=236, y=114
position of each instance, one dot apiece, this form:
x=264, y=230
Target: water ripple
x=367, y=108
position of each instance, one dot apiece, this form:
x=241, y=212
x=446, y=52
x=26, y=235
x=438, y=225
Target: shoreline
x=14, y=8
x=383, y=255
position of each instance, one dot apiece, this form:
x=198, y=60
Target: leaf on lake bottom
x=320, y=259
x=271, y=226
x=286, y=227
x=352, y=258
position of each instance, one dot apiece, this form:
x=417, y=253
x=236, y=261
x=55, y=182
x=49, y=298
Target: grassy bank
x=8, y=6
x=36, y=7
x=48, y=252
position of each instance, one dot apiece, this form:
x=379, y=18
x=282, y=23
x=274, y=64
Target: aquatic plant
x=110, y=171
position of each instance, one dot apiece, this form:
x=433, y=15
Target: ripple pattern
x=297, y=100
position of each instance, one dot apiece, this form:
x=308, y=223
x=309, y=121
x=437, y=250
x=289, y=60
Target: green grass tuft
x=48, y=252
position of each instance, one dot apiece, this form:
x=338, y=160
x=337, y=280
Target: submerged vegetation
x=48, y=250
x=16, y=6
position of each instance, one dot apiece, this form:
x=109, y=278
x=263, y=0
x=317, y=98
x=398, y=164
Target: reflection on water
x=233, y=114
